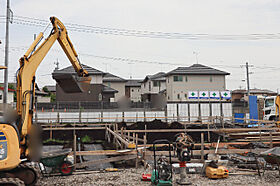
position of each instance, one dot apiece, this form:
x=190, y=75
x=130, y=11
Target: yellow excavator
x=277, y=105
x=19, y=137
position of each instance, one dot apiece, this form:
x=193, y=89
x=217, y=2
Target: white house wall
x=154, y=90
x=119, y=86
x=135, y=94
x=194, y=83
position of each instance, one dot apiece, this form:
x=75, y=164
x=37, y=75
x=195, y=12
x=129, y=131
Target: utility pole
x=248, y=81
x=6, y=73
x=247, y=76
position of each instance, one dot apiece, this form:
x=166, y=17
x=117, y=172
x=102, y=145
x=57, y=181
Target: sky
x=136, y=57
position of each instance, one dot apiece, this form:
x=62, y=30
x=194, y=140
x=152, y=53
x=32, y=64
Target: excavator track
x=28, y=174
x=11, y=182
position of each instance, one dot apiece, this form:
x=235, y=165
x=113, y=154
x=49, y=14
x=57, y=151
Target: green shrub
x=86, y=139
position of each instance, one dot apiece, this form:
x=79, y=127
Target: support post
x=80, y=113
x=189, y=113
x=136, y=161
x=165, y=113
x=144, y=151
x=177, y=112
x=75, y=149
x=202, y=146
x=223, y=125
x=6, y=73
x=128, y=134
x=208, y=133
x=51, y=131
x=57, y=116
x=101, y=116
x=133, y=137
x=122, y=147
x=271, y=139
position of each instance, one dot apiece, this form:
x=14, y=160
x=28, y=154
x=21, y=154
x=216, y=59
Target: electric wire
x=28, y=21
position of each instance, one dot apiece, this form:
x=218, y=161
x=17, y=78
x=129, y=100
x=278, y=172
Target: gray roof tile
x=70, y=69
x=133, y=83
x=108, y=77
x=160, y=76
x=197, y=69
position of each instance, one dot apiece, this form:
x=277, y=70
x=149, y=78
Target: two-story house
x=97, y=90
x=133, y=90
x=196, y=77
x=152, y=86
x=116, y=83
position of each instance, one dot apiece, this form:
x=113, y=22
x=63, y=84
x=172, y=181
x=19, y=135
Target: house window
x=186, y=96
x=132, y=90
x=211, y=79
x=109, y=84
x=186, y=78
x=150, y=87
x=177, y=78
x=178, y=96
x=156, y=83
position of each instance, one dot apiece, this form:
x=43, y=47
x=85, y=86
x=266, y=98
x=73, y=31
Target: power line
x=29, y=21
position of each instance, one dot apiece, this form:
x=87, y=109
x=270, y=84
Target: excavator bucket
x=71, y=83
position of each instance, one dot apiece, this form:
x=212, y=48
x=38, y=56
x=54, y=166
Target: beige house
x=116, y=83
x=194, y=78
x=152, y=88
x=133, y=90
x=153, y=84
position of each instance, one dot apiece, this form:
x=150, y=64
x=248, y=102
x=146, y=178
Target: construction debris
x=130, y=177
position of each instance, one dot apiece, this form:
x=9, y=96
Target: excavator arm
x=17, y=138
x=28, y=66
x=277, y=105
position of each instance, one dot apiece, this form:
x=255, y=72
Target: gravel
x=133, y=177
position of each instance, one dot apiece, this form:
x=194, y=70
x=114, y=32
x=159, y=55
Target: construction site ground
x=132, y=177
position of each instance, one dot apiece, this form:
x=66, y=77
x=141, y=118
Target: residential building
x=196, y=77
x=97, y=90
x=133, y=90
x=116, y=83
x=153, y=89
x=153, y=84
x=240, y=94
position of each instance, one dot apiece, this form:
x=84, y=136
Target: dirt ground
x=133, y=177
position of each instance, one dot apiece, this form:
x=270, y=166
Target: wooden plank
x=107, y=160
x=75, y=128
x=126, y=143
x=220, y=151
x=202, y=146
x=103, y=152
x=150, y=153
x=226, y=130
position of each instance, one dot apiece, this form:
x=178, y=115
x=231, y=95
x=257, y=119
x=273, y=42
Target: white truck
x=269, y=108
